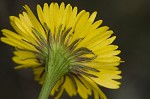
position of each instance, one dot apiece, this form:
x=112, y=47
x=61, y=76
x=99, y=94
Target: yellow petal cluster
x=96, y=38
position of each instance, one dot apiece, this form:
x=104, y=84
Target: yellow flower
x=67, y=45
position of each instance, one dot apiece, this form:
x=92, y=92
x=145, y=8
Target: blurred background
x=130, y=20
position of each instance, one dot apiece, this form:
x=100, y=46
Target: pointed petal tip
x=3, y=30
x=17, y=67
x=95, y=12
x=38, y=6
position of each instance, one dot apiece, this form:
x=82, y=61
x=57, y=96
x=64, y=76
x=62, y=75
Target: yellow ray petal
x=72, y=17
x=110, y=74
x=105, y=78
x=57, y=86
x=34, y=21
x=27, y=65
x=46, y=16
x=17, y=29
x=27, y=62
x=69, y=87
x=84, y=28
x=24, y=54
x=102, y=44
x=106, y=49
x=56, y=17
x=99, y=39
x=108, y=59
x=25, y=19
x=59, y=94
x=95, y=88
x=15, y=40
x=82, y=91
x=94, y=37
x=40, y=14
x=37, y=72
x=106, y=66
x=66, y=15
x=110, y=53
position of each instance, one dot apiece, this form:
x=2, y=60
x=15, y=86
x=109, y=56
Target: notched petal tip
x=26, y=6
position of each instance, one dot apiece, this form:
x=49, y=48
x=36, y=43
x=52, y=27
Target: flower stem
x=49, y=82
x=51, y=78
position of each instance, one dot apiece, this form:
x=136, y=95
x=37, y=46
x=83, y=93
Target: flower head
x=67, y=45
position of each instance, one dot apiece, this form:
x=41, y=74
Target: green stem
x=49, y=82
